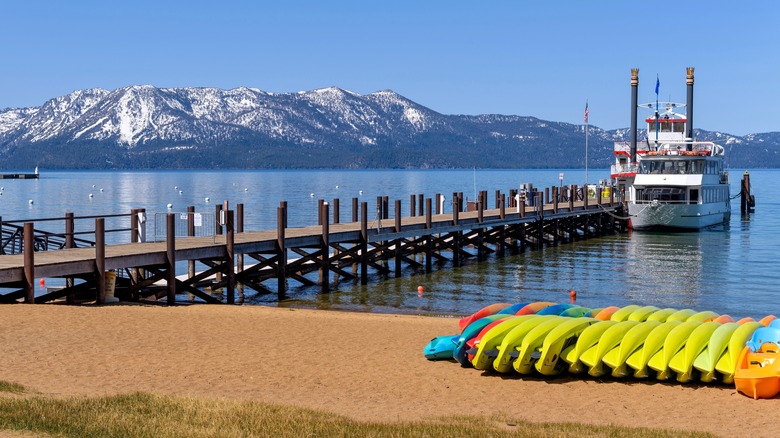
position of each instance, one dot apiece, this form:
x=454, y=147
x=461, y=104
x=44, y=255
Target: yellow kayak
x=503, y=361
x=487, y=347
x=661, y=315
x=716, y=346
x=562, y=336
x=624, y=313
x=674, y=342
x=524, y=363
x=632, y=341
x=681, y=315
x=588, y=338
x=727, y=364
x=653, y=343
x=611, y=338
x=704, y=316
x=682, y=362
x=641, y=314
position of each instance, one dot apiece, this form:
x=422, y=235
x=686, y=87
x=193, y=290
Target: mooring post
x=190, y=233
x=70, y=243
x=502, y=229
x=170, y=238
x=438, y=203
x=363, y=243
x=29, y=263
x=320, y=220
x=555, y=199
x=460, y=201
x=354, y=209
x=397, y=241
x=281, y=254
x=385, y=207
x=521, y=206
x=421, y=204
x=379, y=214
x=585, y=197
x=512, y=200
x=230, y=265
x=429, y=239
x=218, y=223
x=455, y=210
x=240, y=229
x=325, y=248
x=480, y=210
x=100, y=259
x=336, y=218
x=502, y=206
x=412, y=205
x=571, y=197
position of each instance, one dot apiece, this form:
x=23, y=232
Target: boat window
x=694, y=198
x=663, y=194
x=678, y=127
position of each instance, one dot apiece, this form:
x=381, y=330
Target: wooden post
x=29, y=263
x=230, y=246
x=379, y=214
x=421, y=204
x=354, y=209
x=480, y=210
x=521, y=206
x=70, y=242
x=555, y=199
x=240, y=229
x=460, y=201
x=438, y=203
x=363, y=243
x=281, y=253
x=100, y=259
x=397, y=241
x=319, y=211
x=429, y=239
x=512, y=194
x=336, y=210
x=170, y=234
x=217, y=223
x=502, y=206
x=325, y=249
x=412, y=205
x=455, y=210
x=572, y=195
x=585, y=197
x=191, y=233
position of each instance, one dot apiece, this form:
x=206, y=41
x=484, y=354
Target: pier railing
x=74, y=232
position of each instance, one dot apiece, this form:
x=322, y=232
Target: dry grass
x=147, y=415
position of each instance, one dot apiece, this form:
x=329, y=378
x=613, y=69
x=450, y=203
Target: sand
x=364, y=366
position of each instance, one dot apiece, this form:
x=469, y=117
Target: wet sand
x=364, y=366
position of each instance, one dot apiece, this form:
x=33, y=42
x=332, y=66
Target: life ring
x=591, y=192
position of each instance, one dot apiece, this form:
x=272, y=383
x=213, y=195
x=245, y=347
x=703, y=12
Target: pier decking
x=266, y=261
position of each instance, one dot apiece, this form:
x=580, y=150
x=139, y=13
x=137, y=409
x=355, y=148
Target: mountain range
x=141, y=127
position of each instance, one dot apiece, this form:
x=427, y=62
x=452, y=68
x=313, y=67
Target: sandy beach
x=365, y=366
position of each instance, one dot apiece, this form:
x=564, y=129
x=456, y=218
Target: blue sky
x=541, y=59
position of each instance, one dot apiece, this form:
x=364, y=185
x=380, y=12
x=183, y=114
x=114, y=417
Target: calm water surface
x=729, y=269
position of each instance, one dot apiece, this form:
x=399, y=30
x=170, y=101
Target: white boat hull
x=680, y=216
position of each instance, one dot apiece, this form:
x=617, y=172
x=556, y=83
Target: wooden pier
x=369, y=245
x=18, y=175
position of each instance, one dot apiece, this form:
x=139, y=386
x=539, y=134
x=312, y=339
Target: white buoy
x=101, y=190
x=170, y=206
x=207, y=199
x=311, y=195
x=337, y=187
x=93, y=186
x=360, y=192
x=90, y=195
x=180, y=192
x=246, y=189
x=30, y=202
x=175, y=187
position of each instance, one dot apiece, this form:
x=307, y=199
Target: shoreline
x=368, y=367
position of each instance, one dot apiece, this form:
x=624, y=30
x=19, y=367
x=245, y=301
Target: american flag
x=586, y=112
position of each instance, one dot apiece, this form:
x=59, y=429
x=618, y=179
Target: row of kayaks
x=632, y=341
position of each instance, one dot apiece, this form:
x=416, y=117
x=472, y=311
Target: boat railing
x=624, y=147
x=617, y=169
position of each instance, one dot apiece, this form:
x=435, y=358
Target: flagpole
x=586, y=144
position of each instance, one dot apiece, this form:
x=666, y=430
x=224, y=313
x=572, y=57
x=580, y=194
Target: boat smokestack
x=689, y=103
x=634, y=104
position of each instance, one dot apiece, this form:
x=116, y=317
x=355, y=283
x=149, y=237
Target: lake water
x=729, y=269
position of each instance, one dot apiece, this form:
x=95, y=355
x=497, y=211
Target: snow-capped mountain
x=142, y=126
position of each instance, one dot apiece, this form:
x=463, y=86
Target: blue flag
x=657, y=84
